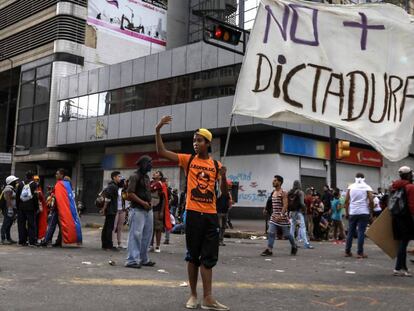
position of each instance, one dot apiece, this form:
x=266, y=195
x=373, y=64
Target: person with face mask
x=140, y=216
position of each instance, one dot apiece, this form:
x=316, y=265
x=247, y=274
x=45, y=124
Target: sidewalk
x=242, y=228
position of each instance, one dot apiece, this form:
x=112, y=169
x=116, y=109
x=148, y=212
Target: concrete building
x=107, y=95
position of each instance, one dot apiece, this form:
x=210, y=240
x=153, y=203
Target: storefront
x=315, y=156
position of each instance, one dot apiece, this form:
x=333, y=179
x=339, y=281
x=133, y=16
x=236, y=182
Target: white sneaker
x=406, y=273
x=157, y=250
x=398, y=273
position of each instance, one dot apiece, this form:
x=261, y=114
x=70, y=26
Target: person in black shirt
x=140, y=216
x=110, y=209
x=27, y=203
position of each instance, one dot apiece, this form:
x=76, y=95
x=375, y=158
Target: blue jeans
x=51, y=226
x=401, y=262
x=298, y=218
x=360, y=222
x=272, y=235
x=140, y=233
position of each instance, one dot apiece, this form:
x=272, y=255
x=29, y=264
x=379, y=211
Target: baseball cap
x=404, y=170
x=205, y=133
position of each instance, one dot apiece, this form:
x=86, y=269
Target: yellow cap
x=36, y=177
x=205, y=133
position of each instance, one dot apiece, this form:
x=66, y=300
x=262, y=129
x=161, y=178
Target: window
x=182, y=89
x=104, y=99
x=68, y=110
x=33, y=112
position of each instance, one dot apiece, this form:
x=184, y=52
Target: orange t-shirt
x=201, y=180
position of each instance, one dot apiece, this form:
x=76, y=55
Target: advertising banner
x=308, y=147
x=140, y=20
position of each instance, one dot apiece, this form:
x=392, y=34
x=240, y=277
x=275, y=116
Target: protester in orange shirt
x=202, y=228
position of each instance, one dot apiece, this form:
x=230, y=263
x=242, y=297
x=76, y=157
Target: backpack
x=100, y=200
x=26, y=194
x=397, y=202
x=294, y=201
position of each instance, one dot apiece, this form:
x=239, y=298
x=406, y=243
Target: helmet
x=11, y=179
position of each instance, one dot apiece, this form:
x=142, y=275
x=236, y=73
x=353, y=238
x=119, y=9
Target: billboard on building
x=142, y=20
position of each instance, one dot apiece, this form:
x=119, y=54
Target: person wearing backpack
x=403, y=222
x=8, y=208
x=296, y=206
x=359, y=203
x=202, y=226
x=27, y=203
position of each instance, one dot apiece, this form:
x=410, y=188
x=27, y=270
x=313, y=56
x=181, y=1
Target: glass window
x=93, y=105
x=43, y=71
x=83, y=110
x=40, y=112
x=68, y=110
x=104, y=100
x=129, y=99
x=139, y=97
x=181, y=91
x=42, y=91
x=151, y=94
x=24, y=135
x=28, y=75
x=116, y=101
x=27, y=95
x=165, y=89
x=39, y=134
x=25, y=115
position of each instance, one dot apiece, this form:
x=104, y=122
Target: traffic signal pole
x=332, y=161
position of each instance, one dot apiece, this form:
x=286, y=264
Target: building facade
x=92, y=103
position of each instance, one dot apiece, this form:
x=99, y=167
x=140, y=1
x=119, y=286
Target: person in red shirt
x=202, y=226
x=403, y=225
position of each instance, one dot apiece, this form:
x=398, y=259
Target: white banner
x=143, y=20
x=351, y=67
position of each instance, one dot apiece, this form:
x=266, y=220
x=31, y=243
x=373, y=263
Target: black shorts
x=202, y=237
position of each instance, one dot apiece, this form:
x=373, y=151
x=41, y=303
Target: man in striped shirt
x=279, y=217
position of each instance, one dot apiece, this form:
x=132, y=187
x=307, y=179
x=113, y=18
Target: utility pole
x=332, y=161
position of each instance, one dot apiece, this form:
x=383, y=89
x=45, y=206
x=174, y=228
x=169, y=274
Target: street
x=83, y=279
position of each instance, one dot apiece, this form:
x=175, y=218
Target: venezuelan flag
x=70, y=225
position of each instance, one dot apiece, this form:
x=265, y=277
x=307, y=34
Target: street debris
x=111, y=263
x=184, y=284
x=268, y=259
x=350, y=272
x=280, y=271
x=162, y=271
x=86, y=263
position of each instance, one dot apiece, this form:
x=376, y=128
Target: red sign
x=365, y=157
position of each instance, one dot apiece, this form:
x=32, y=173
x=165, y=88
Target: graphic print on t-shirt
x=201, y=182
x=201, y=193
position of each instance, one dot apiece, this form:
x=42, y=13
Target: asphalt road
x=82, y=279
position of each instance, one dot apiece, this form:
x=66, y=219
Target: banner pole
x=228, y=138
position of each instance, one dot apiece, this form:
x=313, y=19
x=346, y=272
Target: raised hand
x=164, y=121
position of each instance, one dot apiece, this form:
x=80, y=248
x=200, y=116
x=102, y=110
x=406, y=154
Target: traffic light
x=344, y=149
x=225, y=34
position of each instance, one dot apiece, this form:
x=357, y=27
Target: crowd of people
x=150, y=207
x=36, y=214
x=302, y=216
